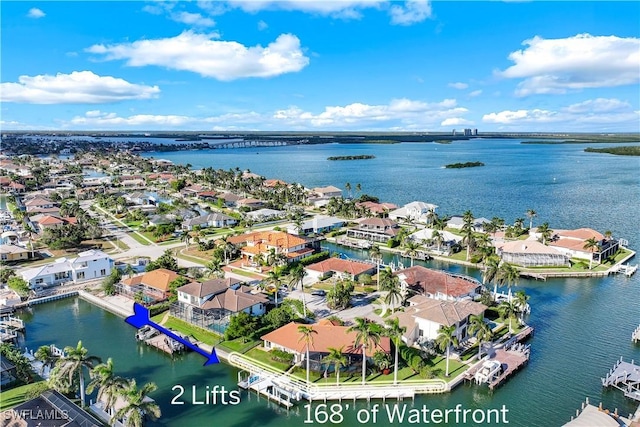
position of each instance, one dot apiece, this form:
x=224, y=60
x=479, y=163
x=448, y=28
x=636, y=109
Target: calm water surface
x=582, y=325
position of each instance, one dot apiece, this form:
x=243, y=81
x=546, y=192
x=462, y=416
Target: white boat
x=490, y=369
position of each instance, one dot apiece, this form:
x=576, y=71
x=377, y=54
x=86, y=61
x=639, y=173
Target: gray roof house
x=209, y=220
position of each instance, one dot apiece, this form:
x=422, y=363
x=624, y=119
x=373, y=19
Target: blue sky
x=321, y=66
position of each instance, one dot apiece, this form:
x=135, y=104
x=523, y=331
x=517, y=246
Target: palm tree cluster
x=68, y=376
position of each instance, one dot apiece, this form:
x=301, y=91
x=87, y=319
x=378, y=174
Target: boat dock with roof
x=625, y=377
x=154, y=338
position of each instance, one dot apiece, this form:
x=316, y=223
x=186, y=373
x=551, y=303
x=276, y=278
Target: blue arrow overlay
x=141, y=318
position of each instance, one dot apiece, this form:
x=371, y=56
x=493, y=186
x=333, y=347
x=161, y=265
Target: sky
x=302, y=65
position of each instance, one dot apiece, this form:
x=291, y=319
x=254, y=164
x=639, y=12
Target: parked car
x=319, y=293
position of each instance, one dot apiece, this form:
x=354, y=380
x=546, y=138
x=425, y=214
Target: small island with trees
x=360, y=157
x=620, y=151
x=464, y=165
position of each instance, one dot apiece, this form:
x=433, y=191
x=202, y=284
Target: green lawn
x=202, y=335
x=238, y=345
x=139, y=239
x=15, y=396
x=191, y=258
x=265, y=357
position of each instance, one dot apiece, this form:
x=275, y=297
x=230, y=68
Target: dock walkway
x=625, y=377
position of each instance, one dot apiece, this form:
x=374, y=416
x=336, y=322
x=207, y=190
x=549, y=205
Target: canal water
x=582, y=325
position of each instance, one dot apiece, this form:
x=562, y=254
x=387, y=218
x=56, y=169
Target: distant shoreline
x=360, y=157
x=464, y=165
x=618, y=151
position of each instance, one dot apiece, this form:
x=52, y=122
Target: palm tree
x=358, y=188
x=306, y=335
x=508, y=275
x=394, y=331
x=366, y=333
x=73, y=364
x=338, y=359
x=521, y=300
x=412, y=249
x=531, y=214
x=467, y=230
x=46, y=356
x=30, y=232
x=545, y=232
x=274, y=277
x=136, y=406
x=479, y=328
x=297, y=275
x=508, y=310
x=393, y=297
x=186, y=238
x=109, y=385
x=129, y=270
x=214, y=267
x=376, y=255
x=491, y=272
x=437, y=238
x=445, y=339
x=591, y=245
x=347, y=187
x=519, y=223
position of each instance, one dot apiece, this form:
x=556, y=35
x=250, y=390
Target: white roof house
x=92, y=264
x=318, y=224
x=414, y=211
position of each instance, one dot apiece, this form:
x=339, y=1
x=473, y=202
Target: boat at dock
x=146, y=332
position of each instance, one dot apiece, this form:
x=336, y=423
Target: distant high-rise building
x=453, y=132
x=467, y=132
x=475, y=132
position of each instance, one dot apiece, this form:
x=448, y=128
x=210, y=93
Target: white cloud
x=458, y=85
x=200, y=53
x=82, y=87
x=583, y=116
x=408, y=113
x=194, y=19
x=262, y=25
x=583, y=61
x=36, y=13
x=475, y=93
x=398, y=114
x=413, y=12
x=346, y=9
x=455, y=121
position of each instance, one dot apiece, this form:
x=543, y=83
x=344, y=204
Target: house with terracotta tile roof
x=338, y=267
x=378, y=209
x=272, y=183
x=287, y=338
x=250, y=203
x=374, y=229
x=424, y=317
x=294, y=248
x=154, y=284
x=531, y=253
x=44, y=221
x=571, y=243
x=438, y=284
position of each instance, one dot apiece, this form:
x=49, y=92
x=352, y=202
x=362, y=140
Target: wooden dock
x=512, y=360
x=265, y=387
x=164, y=343
x=625, y=377
x=635, y=336
x=357, y=244
x=625, y=269
x=12, y=323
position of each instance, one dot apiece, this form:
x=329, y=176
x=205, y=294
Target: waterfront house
x=154, y=285
x=338, y=267
x=327, y=192
x=287, y=338
x=274, y=183
x=457, y=222
x=424, y=317
x=40, y=204
x=262, y=215
x=438, y=284
x=11, y=253
x=42, y=222
x=88, y=265
x=8, y=297
x=375, y=229
x=531, y=253
x=318, y=224
x=293, y=248
x=249, y=203
x=208, y=195
x=140, y=198
x=215, y=219
x=449, y=240
x=414, y=212
x=212, y=303
x=377, y=209
x=572, y=242
x=229, y=199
